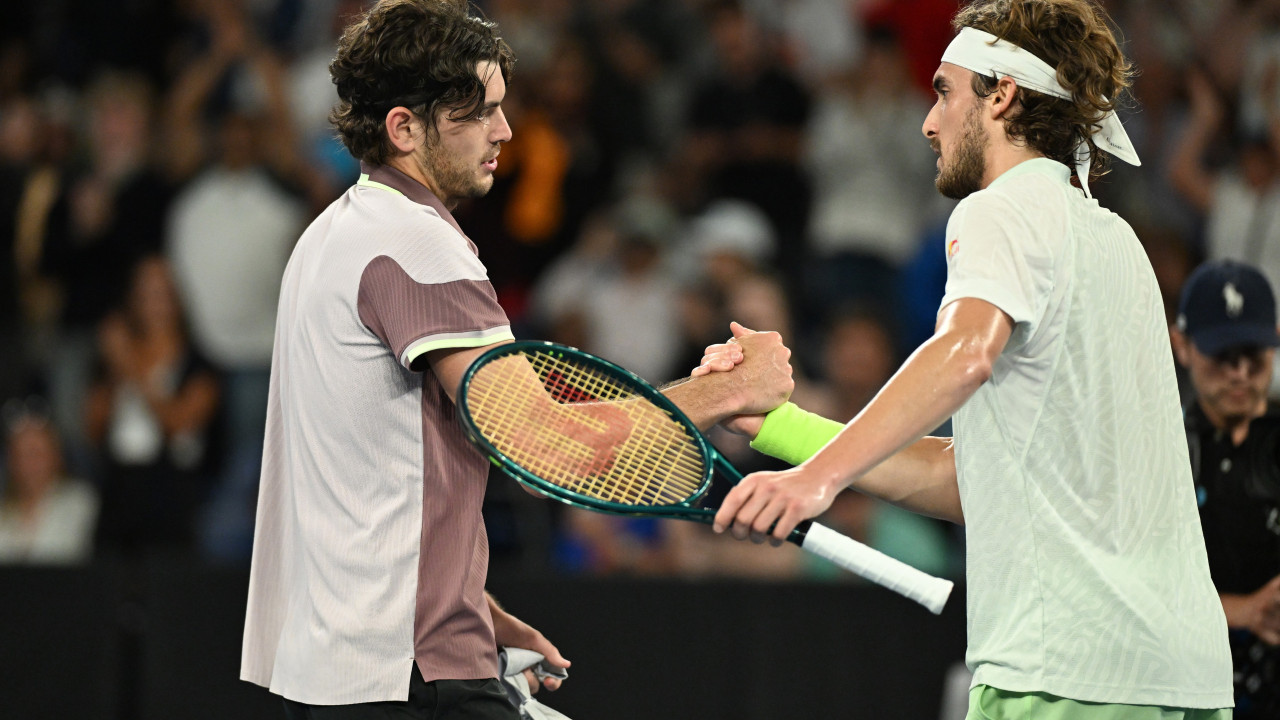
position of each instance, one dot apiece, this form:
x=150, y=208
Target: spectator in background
x=109, y=213
x=728, y=242
x=19, y=146
x=1240, y=201
x=923, y=28
x=229, y=236
x=311, y=99
x=1226, y=337
x=872, y=197
x=859, y=354
x=744, y=129
x=46, y=517
x=35, y=141
x=614, y=295
x=151, y=415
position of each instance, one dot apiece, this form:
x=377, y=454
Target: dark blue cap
x=1225, y=305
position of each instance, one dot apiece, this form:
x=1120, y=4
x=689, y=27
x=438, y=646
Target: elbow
x=974, y=369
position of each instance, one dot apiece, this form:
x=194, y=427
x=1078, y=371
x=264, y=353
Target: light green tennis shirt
x=1086, y=569
x=1086, y=566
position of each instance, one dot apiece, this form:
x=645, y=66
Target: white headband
x=986, y=54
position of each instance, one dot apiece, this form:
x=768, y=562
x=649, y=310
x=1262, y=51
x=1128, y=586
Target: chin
x=482, y=186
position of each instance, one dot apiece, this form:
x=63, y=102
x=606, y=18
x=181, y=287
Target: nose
x=930, y=126
x=499, y=128
x=1240, y=366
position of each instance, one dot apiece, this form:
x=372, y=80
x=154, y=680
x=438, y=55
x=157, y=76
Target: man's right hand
x=728, y=356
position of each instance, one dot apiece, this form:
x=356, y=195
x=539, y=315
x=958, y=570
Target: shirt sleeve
x=993, y=256
x=412, y=318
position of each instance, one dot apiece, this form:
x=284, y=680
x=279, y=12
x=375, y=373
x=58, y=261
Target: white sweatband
x=986, y=54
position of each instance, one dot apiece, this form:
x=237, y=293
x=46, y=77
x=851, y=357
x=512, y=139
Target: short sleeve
x=412, y=317
x=992, y=255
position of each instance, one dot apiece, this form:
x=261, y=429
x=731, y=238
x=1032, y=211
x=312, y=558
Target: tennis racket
x=590, y=434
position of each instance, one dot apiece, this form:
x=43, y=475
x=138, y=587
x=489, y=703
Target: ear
x=1181, y=347
x=1003, y=97
x=402, y=127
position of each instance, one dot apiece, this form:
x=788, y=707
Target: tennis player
x=366, y=594
x=1089, y=593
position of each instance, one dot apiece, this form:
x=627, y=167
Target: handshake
x=738, y=382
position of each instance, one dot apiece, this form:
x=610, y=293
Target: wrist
x=832, y=479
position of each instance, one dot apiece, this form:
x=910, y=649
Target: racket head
x=635, y=480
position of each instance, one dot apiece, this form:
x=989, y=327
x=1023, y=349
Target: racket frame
x=685, y=510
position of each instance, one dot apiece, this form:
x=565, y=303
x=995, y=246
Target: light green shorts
x=988, y=703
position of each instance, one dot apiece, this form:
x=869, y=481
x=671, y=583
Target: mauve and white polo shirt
x=370, y=551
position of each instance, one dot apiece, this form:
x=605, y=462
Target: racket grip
x=930, y=591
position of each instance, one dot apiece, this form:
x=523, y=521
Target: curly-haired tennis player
x=366, y=595
x=1089, y=593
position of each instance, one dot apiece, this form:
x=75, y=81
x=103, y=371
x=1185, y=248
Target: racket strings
x=583, y=430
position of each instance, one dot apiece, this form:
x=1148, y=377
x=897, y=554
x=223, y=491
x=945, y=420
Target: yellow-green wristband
x=794, y=435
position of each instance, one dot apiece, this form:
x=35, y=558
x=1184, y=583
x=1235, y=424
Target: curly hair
x=420, y=54
x=1074, y=36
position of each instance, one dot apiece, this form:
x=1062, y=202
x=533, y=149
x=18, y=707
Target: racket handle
x=930, y=591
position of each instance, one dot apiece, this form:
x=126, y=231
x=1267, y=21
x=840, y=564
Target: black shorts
x=436, y=700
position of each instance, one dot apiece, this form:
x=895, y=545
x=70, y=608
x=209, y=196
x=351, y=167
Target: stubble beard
x=456, y=179
x=962, y=176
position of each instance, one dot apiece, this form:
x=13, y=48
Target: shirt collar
x=1040, y=165
x=411, y=189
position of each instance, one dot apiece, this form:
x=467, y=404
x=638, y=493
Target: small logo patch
x=953, y=247
x=1235, y=301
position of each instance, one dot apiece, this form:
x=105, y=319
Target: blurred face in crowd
x=34, y=460
x=954, y=129
x=153, y=298
x=237, y=142
x=459, y=161
x=737, y=40
x=1231, y=386
x=859, y=358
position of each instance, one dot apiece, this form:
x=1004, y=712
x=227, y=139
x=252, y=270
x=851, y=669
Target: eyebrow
x=939, y=84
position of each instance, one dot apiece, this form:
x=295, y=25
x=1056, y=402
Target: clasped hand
x=764, y=504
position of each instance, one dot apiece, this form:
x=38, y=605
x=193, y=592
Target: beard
x=962, y=176
x=456, y=178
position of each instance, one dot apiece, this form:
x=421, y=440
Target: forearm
x=1187, y=172
x=759, y=384
x=507, y=629
x=1238, y=609
x=920, y=478
x=191, y=409
x=704, y=400
x=927, y=390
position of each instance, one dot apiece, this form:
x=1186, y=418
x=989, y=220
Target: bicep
x=981, y=328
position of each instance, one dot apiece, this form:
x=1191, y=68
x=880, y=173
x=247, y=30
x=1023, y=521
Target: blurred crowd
x=675, y=164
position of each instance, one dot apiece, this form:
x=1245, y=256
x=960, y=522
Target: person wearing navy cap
x=1226, y=338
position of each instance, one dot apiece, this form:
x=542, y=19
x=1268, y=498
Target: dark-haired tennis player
x=366, y=595
x=1088, y=592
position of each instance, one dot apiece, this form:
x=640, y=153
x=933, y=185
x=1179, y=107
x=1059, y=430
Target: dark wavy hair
x=1075, y=36
x=420, y=54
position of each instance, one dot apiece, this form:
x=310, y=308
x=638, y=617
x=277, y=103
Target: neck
x=1235, y=426
x=1003, y=157
x=409, y=166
